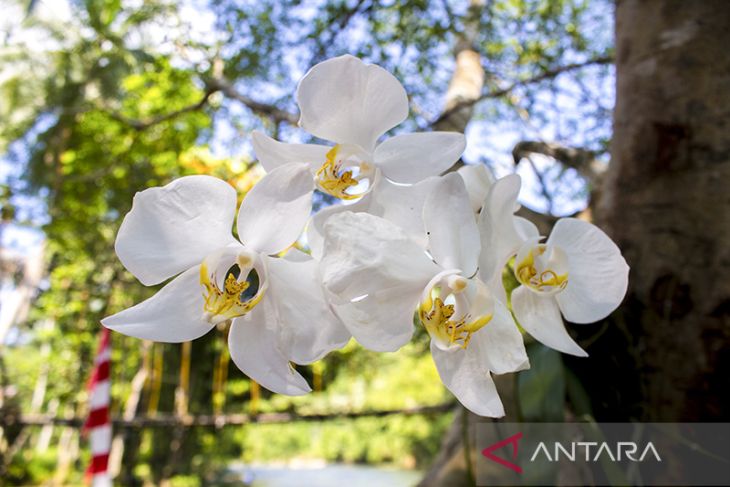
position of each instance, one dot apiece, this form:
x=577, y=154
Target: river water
x=334, y=475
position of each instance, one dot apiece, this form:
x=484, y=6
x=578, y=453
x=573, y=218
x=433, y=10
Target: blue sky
x=488, y=140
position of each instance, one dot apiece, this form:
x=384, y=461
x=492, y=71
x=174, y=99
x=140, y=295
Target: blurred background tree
x=104, y=98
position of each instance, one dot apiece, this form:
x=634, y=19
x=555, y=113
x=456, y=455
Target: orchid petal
x=526, y=230
x=540, y=317
x=453, y=236
x=173, y=315
x=409, y=158
x=402, y=205
x=253, y=343
x=497, y=226
x=271, y=153
x=598, y=275
x=499, y=343
x=477, y=180
x=274, y=212
x=365, y=254
x=315, y=228
x=296, y=255
x=173, y=227
x=466, y=377
x=373, y=262
x=383, y=320
x=349, y=102
x=496, y=286
x=308, y=330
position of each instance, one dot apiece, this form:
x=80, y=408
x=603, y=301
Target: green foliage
x=405, y=441
x=34, y=468
x=541, y=389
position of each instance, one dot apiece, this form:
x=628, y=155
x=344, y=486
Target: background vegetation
x=100, y=99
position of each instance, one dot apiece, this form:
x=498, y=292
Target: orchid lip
x=345, y=170
x=542, y=268
x=231, y=298
x=447, y=310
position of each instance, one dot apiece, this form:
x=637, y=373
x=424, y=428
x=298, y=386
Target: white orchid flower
x=402, y=205
x=352, y=104
x=578, y=272
x=276, y=305
x=378, y=276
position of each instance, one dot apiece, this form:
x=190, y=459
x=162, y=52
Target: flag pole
x=98, y=425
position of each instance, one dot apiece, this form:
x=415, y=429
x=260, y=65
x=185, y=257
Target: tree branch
x=496, y=93
x=140, y=125
x=212, y=86
x=277, y=114
x=543, y=185
x=168, y=420
x=582, y=160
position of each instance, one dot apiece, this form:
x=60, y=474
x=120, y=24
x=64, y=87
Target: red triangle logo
x=514, y=441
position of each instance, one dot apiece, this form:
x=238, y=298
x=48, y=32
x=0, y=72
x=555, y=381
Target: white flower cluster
x=413, y=243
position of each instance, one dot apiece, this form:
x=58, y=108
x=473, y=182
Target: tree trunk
x=455, y=463
x=666, y=204
x=467, y=82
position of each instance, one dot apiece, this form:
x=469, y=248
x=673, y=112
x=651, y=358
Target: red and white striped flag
x=98, y=426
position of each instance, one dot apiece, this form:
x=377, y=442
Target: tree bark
x=666, y=204
x=467, y=82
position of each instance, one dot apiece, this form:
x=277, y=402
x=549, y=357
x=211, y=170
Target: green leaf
x=541, y=389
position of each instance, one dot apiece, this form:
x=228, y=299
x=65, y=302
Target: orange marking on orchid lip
x=436, y=317
x=225, y=304
x=528, y=275
x=331, y=179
